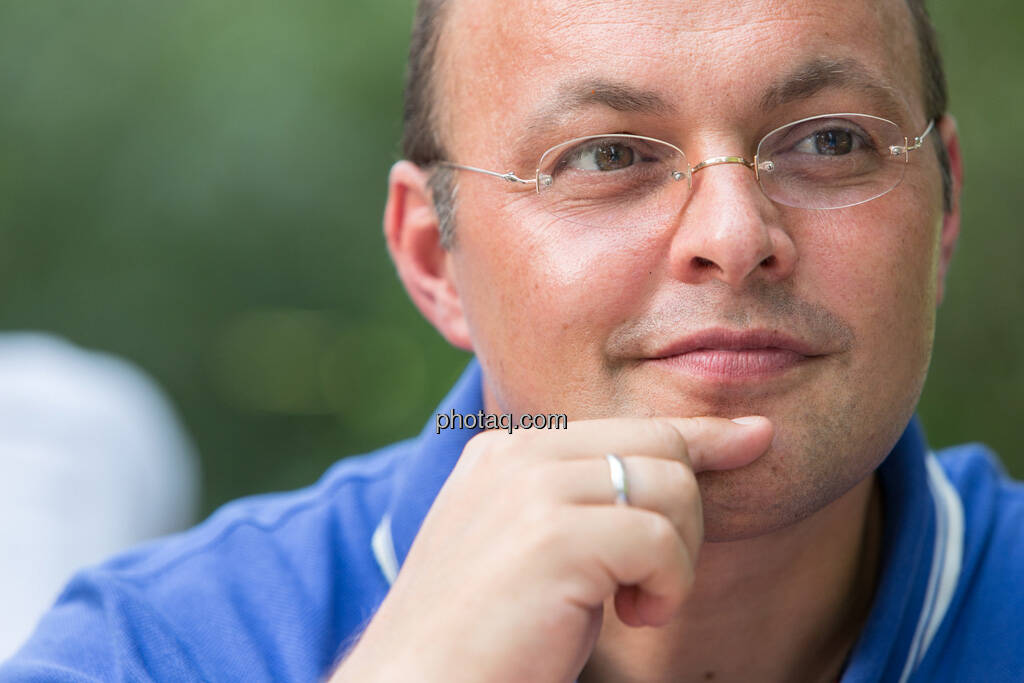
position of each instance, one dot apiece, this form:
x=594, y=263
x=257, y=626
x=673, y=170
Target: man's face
x=587, y=321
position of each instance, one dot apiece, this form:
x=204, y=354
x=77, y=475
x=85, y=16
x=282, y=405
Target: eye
x=830, y=142
x=601, y=156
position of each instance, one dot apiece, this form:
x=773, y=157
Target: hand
x=507, y=578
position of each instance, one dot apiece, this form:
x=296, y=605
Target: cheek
x=866, y=255
x=542, y=296
x=879, y=262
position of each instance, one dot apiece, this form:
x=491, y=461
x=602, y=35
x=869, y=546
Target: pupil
x=614, y=156
x=834, y=142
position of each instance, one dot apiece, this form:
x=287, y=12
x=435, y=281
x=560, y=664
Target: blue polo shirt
x=273, y=588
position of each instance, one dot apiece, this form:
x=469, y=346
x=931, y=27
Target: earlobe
x=423, y=265
x=951, y=217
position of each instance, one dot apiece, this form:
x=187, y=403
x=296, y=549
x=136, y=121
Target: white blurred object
x=92, y=461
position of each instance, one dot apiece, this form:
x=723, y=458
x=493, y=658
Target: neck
x=781, y=607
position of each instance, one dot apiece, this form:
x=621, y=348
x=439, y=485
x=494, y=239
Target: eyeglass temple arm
x=900, y=150
x=510, y=176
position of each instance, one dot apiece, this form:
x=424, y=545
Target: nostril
x=769, y=262
x=702, y=262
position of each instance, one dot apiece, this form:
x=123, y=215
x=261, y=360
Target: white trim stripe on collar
x=384, y=549
x=947, y=559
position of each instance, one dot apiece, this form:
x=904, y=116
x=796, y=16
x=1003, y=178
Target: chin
x=744, y=504
x=816, y=457
x=809, y=465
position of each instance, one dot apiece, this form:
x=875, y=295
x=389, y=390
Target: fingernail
x=748, y=420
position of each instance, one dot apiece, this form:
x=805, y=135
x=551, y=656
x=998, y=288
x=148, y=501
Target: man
x=714, y=235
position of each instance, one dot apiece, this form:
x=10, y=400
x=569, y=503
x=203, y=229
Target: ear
x=424, y=266
x=951, y=219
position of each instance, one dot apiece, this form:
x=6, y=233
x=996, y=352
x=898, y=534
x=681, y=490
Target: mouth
x=723, y=355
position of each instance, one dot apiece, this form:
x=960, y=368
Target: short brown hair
x=421, y=137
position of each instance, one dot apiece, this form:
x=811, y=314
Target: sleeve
x=100, y=631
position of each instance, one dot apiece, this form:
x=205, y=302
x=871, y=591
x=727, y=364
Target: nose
x=728, y=230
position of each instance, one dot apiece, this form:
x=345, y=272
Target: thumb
x=718, y=443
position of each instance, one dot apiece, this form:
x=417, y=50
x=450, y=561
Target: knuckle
x=681, y=480
x=680, y=493
x=524, y=443
x=668, y=438
x=678, y=500
x=662, y=533
x=479, y=446
x=705, y=422
x=542, y=536
x=684, y=576
x=691, y=532
x=487, y=448
x=687, y=574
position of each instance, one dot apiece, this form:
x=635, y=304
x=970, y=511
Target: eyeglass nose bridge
x=715, y=161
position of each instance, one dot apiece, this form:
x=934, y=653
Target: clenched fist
x=507, y=578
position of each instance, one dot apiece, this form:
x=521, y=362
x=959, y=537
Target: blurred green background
x=197, y=186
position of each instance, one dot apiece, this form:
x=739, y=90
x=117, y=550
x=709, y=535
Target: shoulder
x=993, y=520
x=993, y=512
x=344, y=503
x=275, y=581
x=993, y=502
x=983, y=636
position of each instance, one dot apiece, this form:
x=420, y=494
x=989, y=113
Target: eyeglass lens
x=824, y=162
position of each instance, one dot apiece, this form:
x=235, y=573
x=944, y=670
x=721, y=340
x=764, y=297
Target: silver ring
x=617, y=469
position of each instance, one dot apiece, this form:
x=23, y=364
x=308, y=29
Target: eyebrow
x=802, y=83
x=581, y=94
x=821, y=74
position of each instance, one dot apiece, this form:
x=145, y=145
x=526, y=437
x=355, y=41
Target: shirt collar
x=435, y=454
x=922, y=556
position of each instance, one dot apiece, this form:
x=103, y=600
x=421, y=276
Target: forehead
x=713, y=60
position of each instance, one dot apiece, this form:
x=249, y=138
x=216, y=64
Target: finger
x=627, y=546
x=715, y=443
x=668, y=487
x=675, y=438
